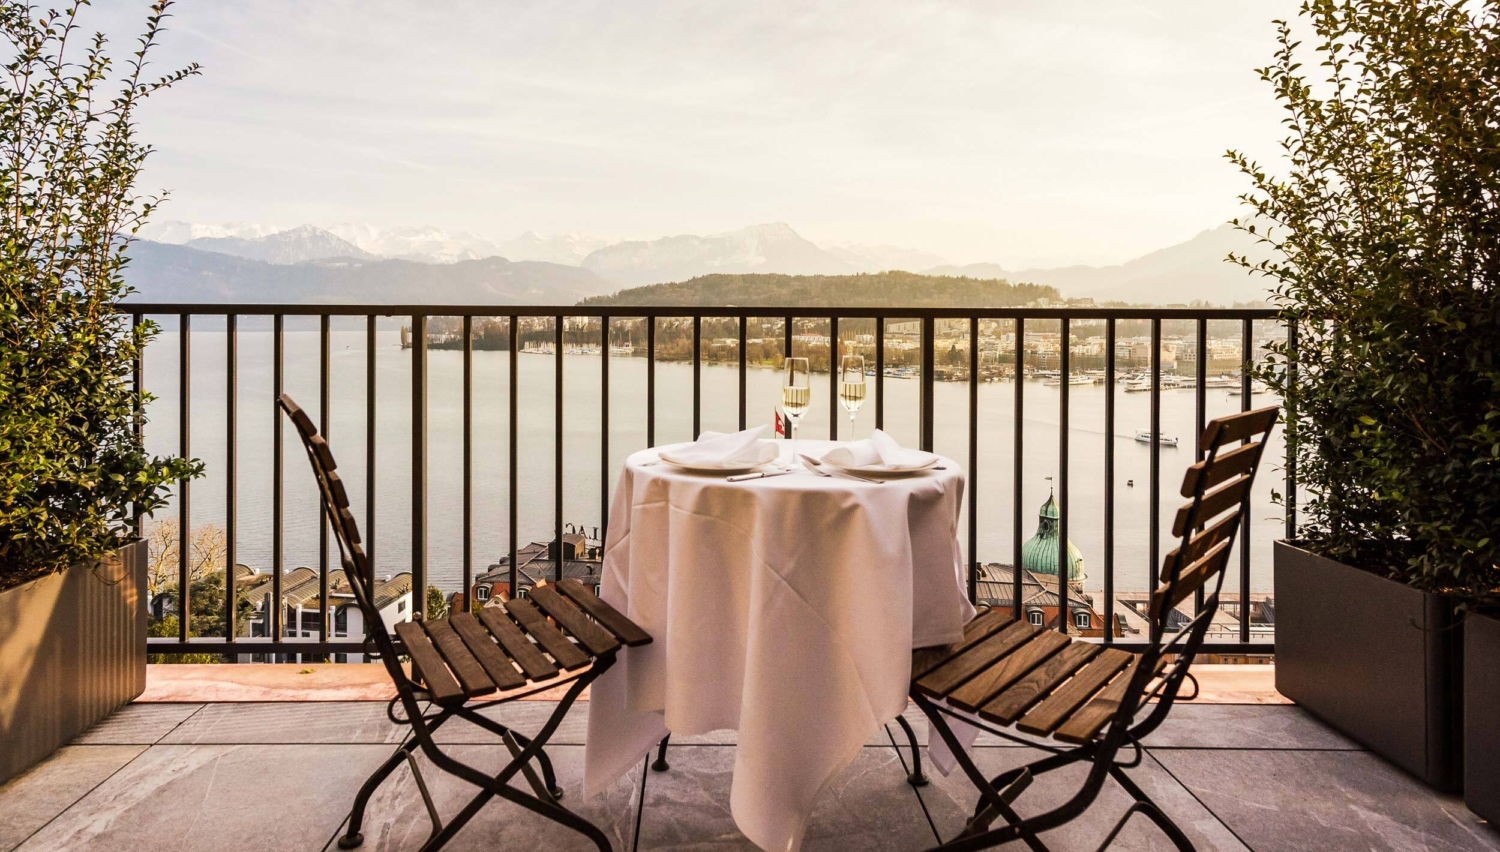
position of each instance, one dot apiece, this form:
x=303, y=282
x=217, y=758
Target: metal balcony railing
x=1065, y=322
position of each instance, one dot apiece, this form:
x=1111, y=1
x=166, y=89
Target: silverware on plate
x=817, y=467
x=761, y=475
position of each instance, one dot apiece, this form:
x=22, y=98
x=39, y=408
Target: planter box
x=1375, y=658
x=72, y=650
x=1482, y=715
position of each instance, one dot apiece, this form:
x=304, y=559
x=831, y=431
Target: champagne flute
x=796, y=392
x=852, y=386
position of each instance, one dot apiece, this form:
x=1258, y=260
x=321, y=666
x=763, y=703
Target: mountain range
x=361, y=262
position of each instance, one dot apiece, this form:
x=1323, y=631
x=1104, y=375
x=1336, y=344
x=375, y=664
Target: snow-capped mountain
x=882, y=258
x=556, y=248
x=180, y=233
x=424, y=244
x=759, y=248
x=294, y=246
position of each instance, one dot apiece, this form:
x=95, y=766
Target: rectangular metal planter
x=1482, y=714
x=1375, y=658
x=72, y=650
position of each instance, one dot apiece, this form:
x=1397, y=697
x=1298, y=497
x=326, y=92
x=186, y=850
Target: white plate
x=881, y=471
x=727, y=469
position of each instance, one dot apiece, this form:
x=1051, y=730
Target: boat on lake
x=1144, y=436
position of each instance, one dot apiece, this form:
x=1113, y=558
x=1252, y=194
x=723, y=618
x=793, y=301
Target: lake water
x=581, y=375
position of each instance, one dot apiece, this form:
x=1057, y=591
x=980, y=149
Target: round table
x=785, y=608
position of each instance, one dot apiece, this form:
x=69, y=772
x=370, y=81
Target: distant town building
x=536, y=563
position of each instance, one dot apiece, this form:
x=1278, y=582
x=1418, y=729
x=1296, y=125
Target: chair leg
x=353, y=838
x=916, y=778
x=548, y=775
x=1144, y=805
x=499, y=784
x=974, y=835
x=661, y=764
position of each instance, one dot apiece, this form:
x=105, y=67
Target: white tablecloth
x=784, y=608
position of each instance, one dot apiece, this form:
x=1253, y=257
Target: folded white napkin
x=715, y=449
x=880, y=449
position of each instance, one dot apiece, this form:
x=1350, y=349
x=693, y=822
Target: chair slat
x=441, y=684
x=1055, y=708
x=1089, y=719
x=1229, y=496
x=567, y=655
x=1238, y=427
x=1009, y=669
x=325, y=455
x=1201, y=543
x=958, y=670
x=981, y=626
x=627, y=631
x=1206, y=474
x=496, y=664
x=1192, y=578
x=336, y=485
x=570, y=618
x=531, y=660
x=470, y=673
x=1008, y=706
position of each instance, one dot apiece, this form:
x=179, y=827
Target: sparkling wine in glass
x=852, y=386
x=796, y=391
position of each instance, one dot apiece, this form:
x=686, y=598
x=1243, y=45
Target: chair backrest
x=1218, y=492
x=335, y=500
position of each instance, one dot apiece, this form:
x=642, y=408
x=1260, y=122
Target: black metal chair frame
x=422, y=714
x=997, y=795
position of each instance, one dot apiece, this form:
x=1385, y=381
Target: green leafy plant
x=1385, y=223
x=72, y=468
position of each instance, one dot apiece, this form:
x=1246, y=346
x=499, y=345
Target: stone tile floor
x=281, y=776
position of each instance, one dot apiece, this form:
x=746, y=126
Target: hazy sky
x=1024, y=133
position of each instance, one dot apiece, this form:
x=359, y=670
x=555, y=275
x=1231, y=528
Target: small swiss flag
x=780, y=424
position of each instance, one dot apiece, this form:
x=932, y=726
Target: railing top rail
x=625, y=311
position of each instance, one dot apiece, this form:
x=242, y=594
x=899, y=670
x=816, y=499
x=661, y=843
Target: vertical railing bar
x=138, y=410
x=786, y=347
x=370, y=452
x=1109, y=481
x=880, y=372
x=468, y=485
x=325, y=416
x=1201, y=411
x=1247, y=334
x=833, y=378
x=278, y=370
x=1154, y=511
x=604, y=429
x=929, y=367
x=1065, y=351
x=973, y=459
x=557, y=446
x=651, y=380
x=1018, y=465
x=697, y=376
x=184, y=488
x=231, y=469
x=514, y=358
x=419, y=467
x=1289, y=431
x=744, y=397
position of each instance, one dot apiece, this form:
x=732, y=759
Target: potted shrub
x=1385, y=225
x=73, y=474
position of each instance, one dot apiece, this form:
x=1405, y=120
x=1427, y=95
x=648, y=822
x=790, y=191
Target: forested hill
x=866, y=290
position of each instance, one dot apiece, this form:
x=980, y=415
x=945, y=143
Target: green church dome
x=1039, y=554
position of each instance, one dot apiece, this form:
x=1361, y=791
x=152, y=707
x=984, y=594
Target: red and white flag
x=780, y=424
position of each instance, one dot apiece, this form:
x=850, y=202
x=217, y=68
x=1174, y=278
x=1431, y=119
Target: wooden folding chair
x=1006, y=672
x=561, y=634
